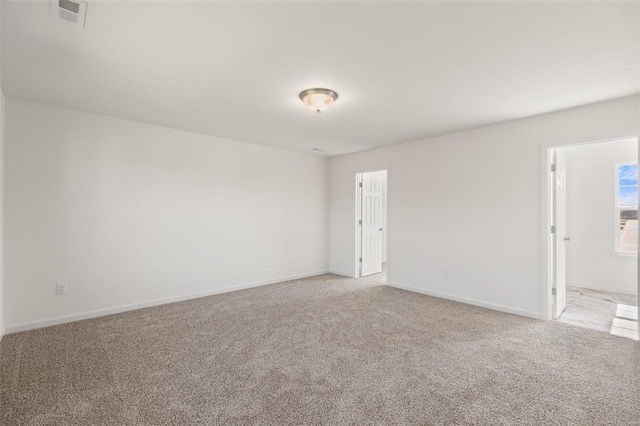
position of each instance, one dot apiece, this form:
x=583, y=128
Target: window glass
x=627, y=208
x=628, y=185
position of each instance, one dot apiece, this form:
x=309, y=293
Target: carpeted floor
x=323, y=350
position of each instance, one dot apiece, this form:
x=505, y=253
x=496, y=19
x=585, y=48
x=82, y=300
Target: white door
x=561, y=238
x=371, y=218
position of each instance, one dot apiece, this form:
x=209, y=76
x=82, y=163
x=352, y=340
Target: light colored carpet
x=324, y=350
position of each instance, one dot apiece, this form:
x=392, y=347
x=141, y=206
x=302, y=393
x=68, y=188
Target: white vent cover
x=72, y=11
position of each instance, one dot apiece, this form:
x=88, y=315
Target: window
x=627, y=208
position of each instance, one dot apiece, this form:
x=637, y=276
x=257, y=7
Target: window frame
x=618, y=209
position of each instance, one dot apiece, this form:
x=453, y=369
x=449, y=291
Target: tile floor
x=615, y=313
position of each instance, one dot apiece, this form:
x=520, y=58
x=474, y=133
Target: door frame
x=358, y=236
x=547, y=271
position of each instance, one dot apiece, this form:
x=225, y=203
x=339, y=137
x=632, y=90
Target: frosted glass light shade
x=318, y=100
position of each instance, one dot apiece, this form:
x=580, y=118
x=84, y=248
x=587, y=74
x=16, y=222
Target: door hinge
x=553, y=229
x=360, y=184
x=359, y=222
x=553, y=167
x=553, y=291
x=360, y=260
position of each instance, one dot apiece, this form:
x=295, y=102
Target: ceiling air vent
x=72, y=11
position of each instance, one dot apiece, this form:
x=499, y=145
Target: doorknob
x=381, y=229
x=567, y=239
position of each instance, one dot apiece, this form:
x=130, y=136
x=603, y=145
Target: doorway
x=371, y=223
x=593, y=236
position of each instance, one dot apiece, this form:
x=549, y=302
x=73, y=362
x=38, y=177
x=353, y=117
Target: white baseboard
x=601, y=287
x=341, y=273
x=475, y=302
x=31, y=325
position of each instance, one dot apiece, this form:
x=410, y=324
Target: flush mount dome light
x=318, y=100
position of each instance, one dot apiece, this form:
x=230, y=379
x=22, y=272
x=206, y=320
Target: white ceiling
x=404, y=71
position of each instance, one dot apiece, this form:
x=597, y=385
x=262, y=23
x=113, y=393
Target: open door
x=371, y=224
x=559, y=176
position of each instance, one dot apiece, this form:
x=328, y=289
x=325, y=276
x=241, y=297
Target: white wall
x=127, y=213
x=2, y=127
x=470, y=202
x=591, y=172
x=2, y=121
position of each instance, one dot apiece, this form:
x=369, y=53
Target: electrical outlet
x=445, y=273
x=61, y=288
x=292, y=259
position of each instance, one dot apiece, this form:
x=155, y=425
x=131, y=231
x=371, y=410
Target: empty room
x=319, y=212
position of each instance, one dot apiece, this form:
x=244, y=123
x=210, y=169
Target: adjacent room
x=600, y=249
x=327, y=213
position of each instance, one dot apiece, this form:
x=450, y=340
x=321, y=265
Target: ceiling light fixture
x=318, y=100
